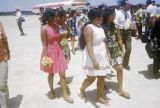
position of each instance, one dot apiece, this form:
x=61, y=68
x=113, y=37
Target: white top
x=123, y=19
x=117, y=12
x=18, y=15
x=152, y=9
x=100, y=53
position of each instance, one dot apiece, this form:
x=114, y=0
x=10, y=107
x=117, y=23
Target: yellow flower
x=47, y=62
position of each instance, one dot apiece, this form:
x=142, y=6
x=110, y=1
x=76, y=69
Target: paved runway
x=28, y=85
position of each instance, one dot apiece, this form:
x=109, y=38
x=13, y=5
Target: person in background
x=51, y=38
x=115, y=47
x=84, y=17
x=155, y=44
x=134, y=32
x=78, y=22
x=73, y=28
x=139, y=15
x=20, y=20
x=123, y=23
x=95, y=57
x=41, y=15
x=62, y=14
x=152, y=8
x=4, y=57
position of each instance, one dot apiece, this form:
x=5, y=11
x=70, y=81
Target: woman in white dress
x=95, y=57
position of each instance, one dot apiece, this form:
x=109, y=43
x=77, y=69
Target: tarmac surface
x=29, y=88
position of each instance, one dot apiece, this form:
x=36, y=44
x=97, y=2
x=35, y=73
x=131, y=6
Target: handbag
x=22, y=19
x=149, y=50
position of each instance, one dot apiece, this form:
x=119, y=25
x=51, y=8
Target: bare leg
x=72, y=44
x=86, y=83
x=100, y=90
x=50, y=82
x=119, y=69
x=20, y=27
x=65, y=88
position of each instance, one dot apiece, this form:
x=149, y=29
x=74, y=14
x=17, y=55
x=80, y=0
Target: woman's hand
x=110, y=60
x=7, y=57
x=96, y=65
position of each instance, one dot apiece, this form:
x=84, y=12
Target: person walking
x=20, y=20
x=73, y=28
x=115, y=46
x=155, y=44
x=139, y=20
x=56, y=62
x=62, y=15
x=4, y=57
x=96, y=62
x=123, y=23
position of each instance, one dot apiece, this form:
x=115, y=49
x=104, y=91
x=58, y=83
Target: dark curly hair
x=61, y=12
x=106, y=13
x=49, y=13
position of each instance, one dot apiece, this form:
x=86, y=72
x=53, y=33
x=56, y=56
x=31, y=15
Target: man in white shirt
x=152, y=8
x=19, y=20
x=123, y=22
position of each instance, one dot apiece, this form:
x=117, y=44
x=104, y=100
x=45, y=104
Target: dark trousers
x=139, y=28
x=19, y=23
x=127, y=41
x=156, y=62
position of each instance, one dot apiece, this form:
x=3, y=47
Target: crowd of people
x=104, y=37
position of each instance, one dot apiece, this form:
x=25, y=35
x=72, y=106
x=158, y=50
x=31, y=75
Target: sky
x=10, y=5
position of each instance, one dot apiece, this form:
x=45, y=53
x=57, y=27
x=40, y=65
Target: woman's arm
x=44, y=41
x=5, y=40
x=119, y=39
x=88, y=34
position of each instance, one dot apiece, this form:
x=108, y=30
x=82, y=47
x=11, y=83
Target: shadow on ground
x=69, y=80
x=58, y=90
x=15, y=102
x=148, y=74
x=91, y=95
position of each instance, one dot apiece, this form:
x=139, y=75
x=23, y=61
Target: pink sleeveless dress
x=55, y=51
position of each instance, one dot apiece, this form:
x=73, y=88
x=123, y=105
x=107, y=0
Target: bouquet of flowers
x=47, y=62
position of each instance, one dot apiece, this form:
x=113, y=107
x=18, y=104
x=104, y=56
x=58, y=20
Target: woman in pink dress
x=51, y=38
